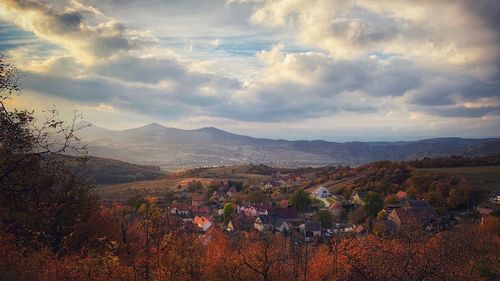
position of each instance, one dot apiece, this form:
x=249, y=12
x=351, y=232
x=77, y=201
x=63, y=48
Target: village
x=280, y=205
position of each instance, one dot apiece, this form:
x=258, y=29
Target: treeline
x=121, y=243
x=444, y=192
x=455, y=161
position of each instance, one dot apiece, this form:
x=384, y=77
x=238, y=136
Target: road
x=327, y=204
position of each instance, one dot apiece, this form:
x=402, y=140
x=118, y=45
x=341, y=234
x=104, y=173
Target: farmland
x=482, y=178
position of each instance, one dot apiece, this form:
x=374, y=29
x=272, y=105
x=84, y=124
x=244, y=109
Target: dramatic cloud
x=316, y=66
x=69, y=28
x=453, y=33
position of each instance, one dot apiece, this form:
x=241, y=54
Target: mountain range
x=172, y=148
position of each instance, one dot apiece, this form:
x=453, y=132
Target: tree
x=358, y=216
x=325, y=218
x=42, y=193
x=238, y=185
x=228, y=211
x=373, y=203
x=391, y=199
x=300, y=200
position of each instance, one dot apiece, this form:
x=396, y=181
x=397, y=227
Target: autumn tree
x=42, y=193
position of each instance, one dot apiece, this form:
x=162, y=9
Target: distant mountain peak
x=154, y=125
x=211, y=129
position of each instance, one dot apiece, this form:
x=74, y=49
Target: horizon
x=341, y=139
x=329, y=70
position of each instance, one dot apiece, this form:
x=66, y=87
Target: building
x=240, y=223
x=358, y=197
x=263, y=223
x=268, y=186
x=321, y=192
x=218, y=197
x=280, y=225
x=311, y=229
x=180, y=209
x=336, y=209
x=271, y=223
x=201, y=210
x=202, y=222
x=413, y=212
x=401, y=195
x=254, y=210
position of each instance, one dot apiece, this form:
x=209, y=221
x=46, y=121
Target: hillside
x=109, y=171
x=173, y=148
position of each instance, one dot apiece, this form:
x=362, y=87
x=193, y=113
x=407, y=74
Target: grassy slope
x=482, y=178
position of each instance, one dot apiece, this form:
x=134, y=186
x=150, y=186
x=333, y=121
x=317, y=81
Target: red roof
x=200, y=221
x=401, y=195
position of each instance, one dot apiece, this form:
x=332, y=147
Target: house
x=201, y=210
x=280, y=225
x=359, y=229
x=358, y=197
x=218, y=197
x=342, y=228
x=413, y=212
x=268, y=186
x=232, y=191
x=240, y=222
x=180, y=209
x=336, y=209
x=197, y=199
x=495, y=197
x=321, y=192
x=271, y=223
x=202, y=222
x=401, y=195
x=311, y=228
x=254, y=210
x=263, y=223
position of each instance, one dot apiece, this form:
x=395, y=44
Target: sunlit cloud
x=283, y=68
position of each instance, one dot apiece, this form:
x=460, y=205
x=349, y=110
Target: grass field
x=482, y=178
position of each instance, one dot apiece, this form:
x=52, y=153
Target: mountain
x=172, y=148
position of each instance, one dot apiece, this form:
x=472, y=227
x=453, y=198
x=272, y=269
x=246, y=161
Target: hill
x=108, y=171
x=173, y=148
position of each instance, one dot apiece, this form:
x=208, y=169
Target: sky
x=337, y=70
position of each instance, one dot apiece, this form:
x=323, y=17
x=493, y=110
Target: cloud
x=215, y=43
x=428, y=32
x=86, y=41
x=405, y=64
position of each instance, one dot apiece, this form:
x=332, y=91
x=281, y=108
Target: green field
x=482, y=178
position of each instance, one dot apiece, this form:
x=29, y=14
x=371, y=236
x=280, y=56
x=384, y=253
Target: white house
x=321, y=192
x=268, y=186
